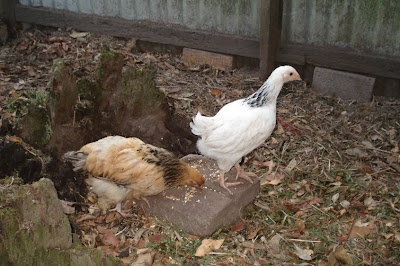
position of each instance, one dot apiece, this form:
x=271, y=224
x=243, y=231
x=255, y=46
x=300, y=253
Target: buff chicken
x=122, y=169
x=241, y=126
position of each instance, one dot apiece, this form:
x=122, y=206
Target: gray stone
x=202, y=212
x=345, y=85
x=35, y=230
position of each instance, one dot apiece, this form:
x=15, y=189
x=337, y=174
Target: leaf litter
x=330, y=172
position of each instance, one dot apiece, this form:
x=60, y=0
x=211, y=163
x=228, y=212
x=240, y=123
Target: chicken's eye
x=291, y=73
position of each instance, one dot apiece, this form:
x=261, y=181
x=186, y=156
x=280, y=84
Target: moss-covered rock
x=139, y=92
x=110, y=62
x=89, y=100
x=35, y=231
x=16, y=160
x=35, y=127
x=88, y=90
x=109, y=72
x=63, y=93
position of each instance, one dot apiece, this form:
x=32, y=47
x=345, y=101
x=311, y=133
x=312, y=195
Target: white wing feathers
x=233, y=132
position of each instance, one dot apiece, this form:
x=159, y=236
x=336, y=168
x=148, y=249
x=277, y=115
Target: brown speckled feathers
x=125, y=168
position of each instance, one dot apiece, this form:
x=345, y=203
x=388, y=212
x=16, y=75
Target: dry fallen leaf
x=274, y=246
x=31, y=72
x=300, y=225
x=216, y=92
x=77, y=35
x=335, y=198
x=253, y=233
x=207, y=245
x=370, y=203
x=345, y=204
x=397, y=237
x=272, y=179
x=238, y=226
x=280, y=130
x=145, y=259
x=356, y=152
x=283, y=111
x=67, y=207
x=368, y=145
x=387, y=236
x=304, y=254
x=292, y=164
x=155, y=238
x=362, y=229
x=339, y=256
x=108, y=236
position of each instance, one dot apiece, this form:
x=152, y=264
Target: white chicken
x=241, y=126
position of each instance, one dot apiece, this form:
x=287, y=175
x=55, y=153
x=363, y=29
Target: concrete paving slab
x=202, y=212
x=345, y=85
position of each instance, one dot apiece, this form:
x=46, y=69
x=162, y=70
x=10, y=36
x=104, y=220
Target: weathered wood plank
x=341, y=59
x=270, y=35
x=145, y=31
x=330, y=57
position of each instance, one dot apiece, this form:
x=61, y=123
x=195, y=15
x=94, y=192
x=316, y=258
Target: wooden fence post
x=270, y=34
x=7, y=14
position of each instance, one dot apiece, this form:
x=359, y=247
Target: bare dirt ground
x=330, y=172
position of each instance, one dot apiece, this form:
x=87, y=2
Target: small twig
x=73, y=121
x=258, y=204
x=178, y=236
x=219, y=253
x=395, y=166
x=351, y=228
x=271, y=219
x=302, y=240
x=85, y=217
x=392, y=206
x=294, y=217
x=318, y=209
x=120, y=232
x=339, y=155
x=359, y=197
x=374, y=149
x=284, y=220
x=12, y=181
x=24, y=145
x=282, y=238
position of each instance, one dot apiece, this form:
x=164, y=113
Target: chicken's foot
x=145, y=200
x=242, y=174
x=123, y=213
x=227, y=185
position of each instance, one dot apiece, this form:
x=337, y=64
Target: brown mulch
x=330, y=172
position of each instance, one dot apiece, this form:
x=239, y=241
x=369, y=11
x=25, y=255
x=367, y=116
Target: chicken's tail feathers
x=199, y=124
x=76, y=158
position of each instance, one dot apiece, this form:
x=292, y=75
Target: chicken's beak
x=194, y=184
x=297, y=77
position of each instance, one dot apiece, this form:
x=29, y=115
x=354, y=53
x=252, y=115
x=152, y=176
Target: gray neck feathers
x=266, y=94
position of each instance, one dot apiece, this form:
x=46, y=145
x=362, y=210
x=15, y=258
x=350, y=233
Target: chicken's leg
x=226, y=185
x=145, y=200
x=118, y=208
x=242, y=174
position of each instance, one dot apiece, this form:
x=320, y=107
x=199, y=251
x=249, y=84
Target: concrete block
x=192, y=57
x=342, y=84
x=202, y=212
